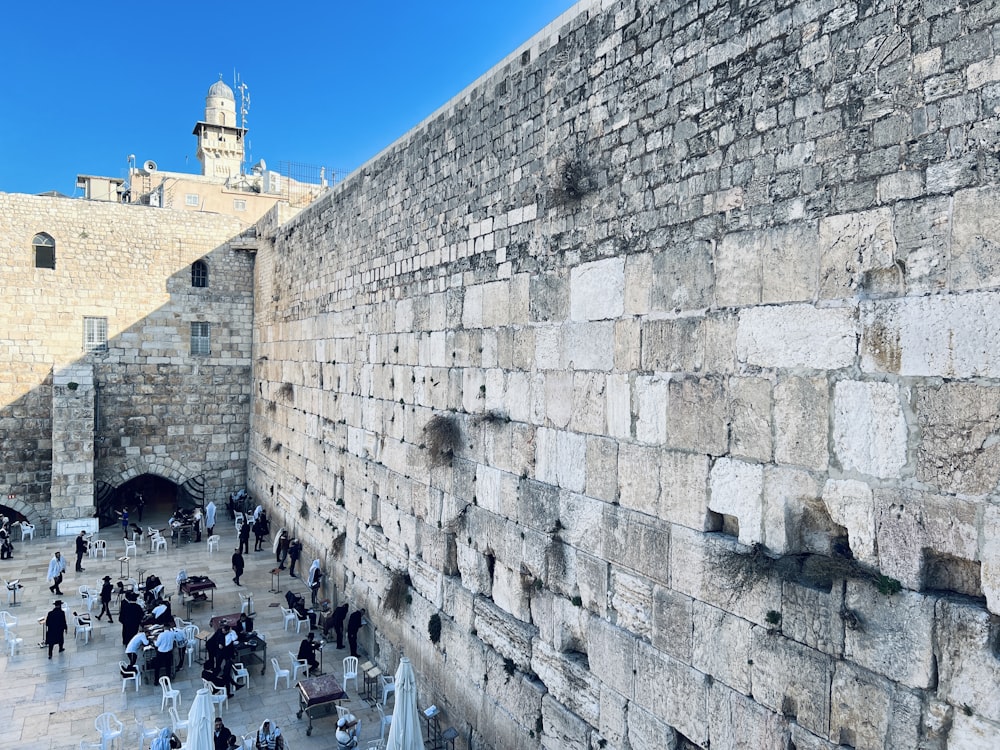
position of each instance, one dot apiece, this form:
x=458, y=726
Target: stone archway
x=26, y=510
x=156, y=478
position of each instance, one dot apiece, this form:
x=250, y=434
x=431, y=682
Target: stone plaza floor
x=51, y=704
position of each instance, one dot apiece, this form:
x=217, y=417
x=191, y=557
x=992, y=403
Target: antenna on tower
x=244, y=111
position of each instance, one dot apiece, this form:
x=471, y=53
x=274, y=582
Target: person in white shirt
x=138, y=641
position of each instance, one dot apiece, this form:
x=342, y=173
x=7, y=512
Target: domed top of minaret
x=221, y=90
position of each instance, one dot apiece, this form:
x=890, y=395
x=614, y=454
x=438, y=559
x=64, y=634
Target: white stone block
x=789, y=336
x=597, y=290
x=588, y=346
x=651, y=409
x=548, y=348
x=869, y=429
x=850, y=504
x=737, y=489
x=619, y=406
x=472, y=307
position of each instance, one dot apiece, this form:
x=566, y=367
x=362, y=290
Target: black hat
x=106, y=578
x=57, y=603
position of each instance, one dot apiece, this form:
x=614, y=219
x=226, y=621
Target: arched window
x=45, y=251
x=199, y=274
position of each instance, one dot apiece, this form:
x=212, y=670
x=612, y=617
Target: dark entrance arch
x=159, y=498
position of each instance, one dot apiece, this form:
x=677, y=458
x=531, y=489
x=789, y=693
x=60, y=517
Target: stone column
x=73, y=414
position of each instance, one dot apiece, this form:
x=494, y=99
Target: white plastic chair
x=219, y=694
x=27, y=529
x=191, y=636
x=298, y=665
x=109, y=727
x=350, y=671
x=241, y=674
x=144, y=734
x=388, y=683
x=131, y=548
x=279, y=673
x=246, y=603
x=169, y=694
x=290, y=616
x=13, y=642
x=177, y=724
x=299, y=622
x=385, y=720
x=124, y=670
x=7, y=620
x=83, y=627
x=99, y=547
x=158, y=542
x=88, y=598
x=213, y=541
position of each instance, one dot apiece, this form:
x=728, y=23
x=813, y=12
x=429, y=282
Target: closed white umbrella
x=201, y=723
x=404, y=732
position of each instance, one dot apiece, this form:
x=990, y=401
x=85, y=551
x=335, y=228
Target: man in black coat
x=81, y=550
x=237, y=566
x=244, y=538
x=307, y=651
x=339, y=615
x=130, y=616
x=55, y=627
x=353, y=626
x=294, y=552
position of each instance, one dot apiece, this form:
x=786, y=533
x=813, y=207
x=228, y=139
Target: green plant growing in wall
x=72, y=385
x=397, y=596
x=434, y=628
x=304, y=510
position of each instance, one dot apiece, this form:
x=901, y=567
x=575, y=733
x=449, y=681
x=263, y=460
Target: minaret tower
x=220, y=137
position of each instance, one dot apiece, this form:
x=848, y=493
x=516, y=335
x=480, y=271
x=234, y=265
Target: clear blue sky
x=331, y=83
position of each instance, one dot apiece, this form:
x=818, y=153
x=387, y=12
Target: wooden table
x=317, y=693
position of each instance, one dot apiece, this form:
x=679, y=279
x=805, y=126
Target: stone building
x=647, y=393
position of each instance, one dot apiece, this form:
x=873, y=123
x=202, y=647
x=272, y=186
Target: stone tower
x=220, y=138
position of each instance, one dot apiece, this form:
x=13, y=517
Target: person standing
x=130, y=616
x=140, y=503
x=294, y=552
x=196, y=520
x=354, y=623
x=56, y=627
x=125, y=521
x=222, y=738
x=339, y=615
x=245, y=537
x=237, y=566
x=106, y=590
x=57, y=566
x=210, y=517
x=81, y=550
x=315, y=580
x=281, y=549
x=259, y=531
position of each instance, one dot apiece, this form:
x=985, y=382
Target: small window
x=199, y=274
x=191, y=199
x=45, y=251
x=239, y=204
x=199, y=338
x=95, y=334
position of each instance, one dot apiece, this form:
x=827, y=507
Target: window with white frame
x=191, y=199
x=239, y=204
x=95, y=334
x=200, y=338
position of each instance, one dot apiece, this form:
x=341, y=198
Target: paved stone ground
x=52, y=704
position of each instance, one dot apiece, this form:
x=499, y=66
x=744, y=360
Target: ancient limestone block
x=548, y=347
x=737, y=489
x=974, y=242
x=587, y=346
x=592, y=582
x=597, y=290
x=549, y=297
x=806, y=740
x=719, y=331
x=895, y=637
x=813, y=617
x=698, y=414
x=750, y=406
x=672, y=623
x=801, y=408
x=474, y=571
x=869, y=429
x=683, y=278
x=860, y=707
x=857, y=254
x=602, y=468
x=650, y=399
x=791, y=679
x=990, y=556
x=496, y=304
x=737, y=721
x=905, y=336
x=851, y=504
x=612, y=654
x=569, y=679
x=646, y=730
x=589, y=399
x=958, y=449
x=789, y=336
x=510, y=637
x=627, y=344
x=562, y=729
x=673, y=691
x=674, y=345
x=738, y=272
x=684, y=488
x=912, y=526
x=638, y=284
x=639, y=477
x=721, y=646
x=472, y=306
x=509, y=592
x=636, y=541
x=789, y=495
x=619, y=406
x=631, y=596
x=559, y=397
x=968, y=668
x=973, y=732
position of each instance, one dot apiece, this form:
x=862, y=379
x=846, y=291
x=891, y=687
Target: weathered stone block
x=813, y=617
x=698, y=415
x=974, y=243
x=801, y=409
x=673, y=624
x=791, y=336
x=639, y=478
x=673, y=691
x=791, y=679
x=646, y=730
x=683, y=483
x=736, y=721
x=737, y=489
x=851, y=504
x=561, y=728
x=869, y=429
x=570, y=680
x=750, y=406
x=721, y=646
x=597, y=290
x=612, y=654
x=857, y=254
x=790, y=500
x=965, y=637
x=510, y=637
x=860, y=706
x=682, y=278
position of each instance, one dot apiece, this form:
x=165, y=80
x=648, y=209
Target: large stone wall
x=157, y=408
x=688, y=278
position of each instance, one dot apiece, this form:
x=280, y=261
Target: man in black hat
x=106, y=590
x=307, y=651
x=354, y=623
x=81, y=550
x=55, y=627
x=130, y=616
x=237, y=566
x=339, y=615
